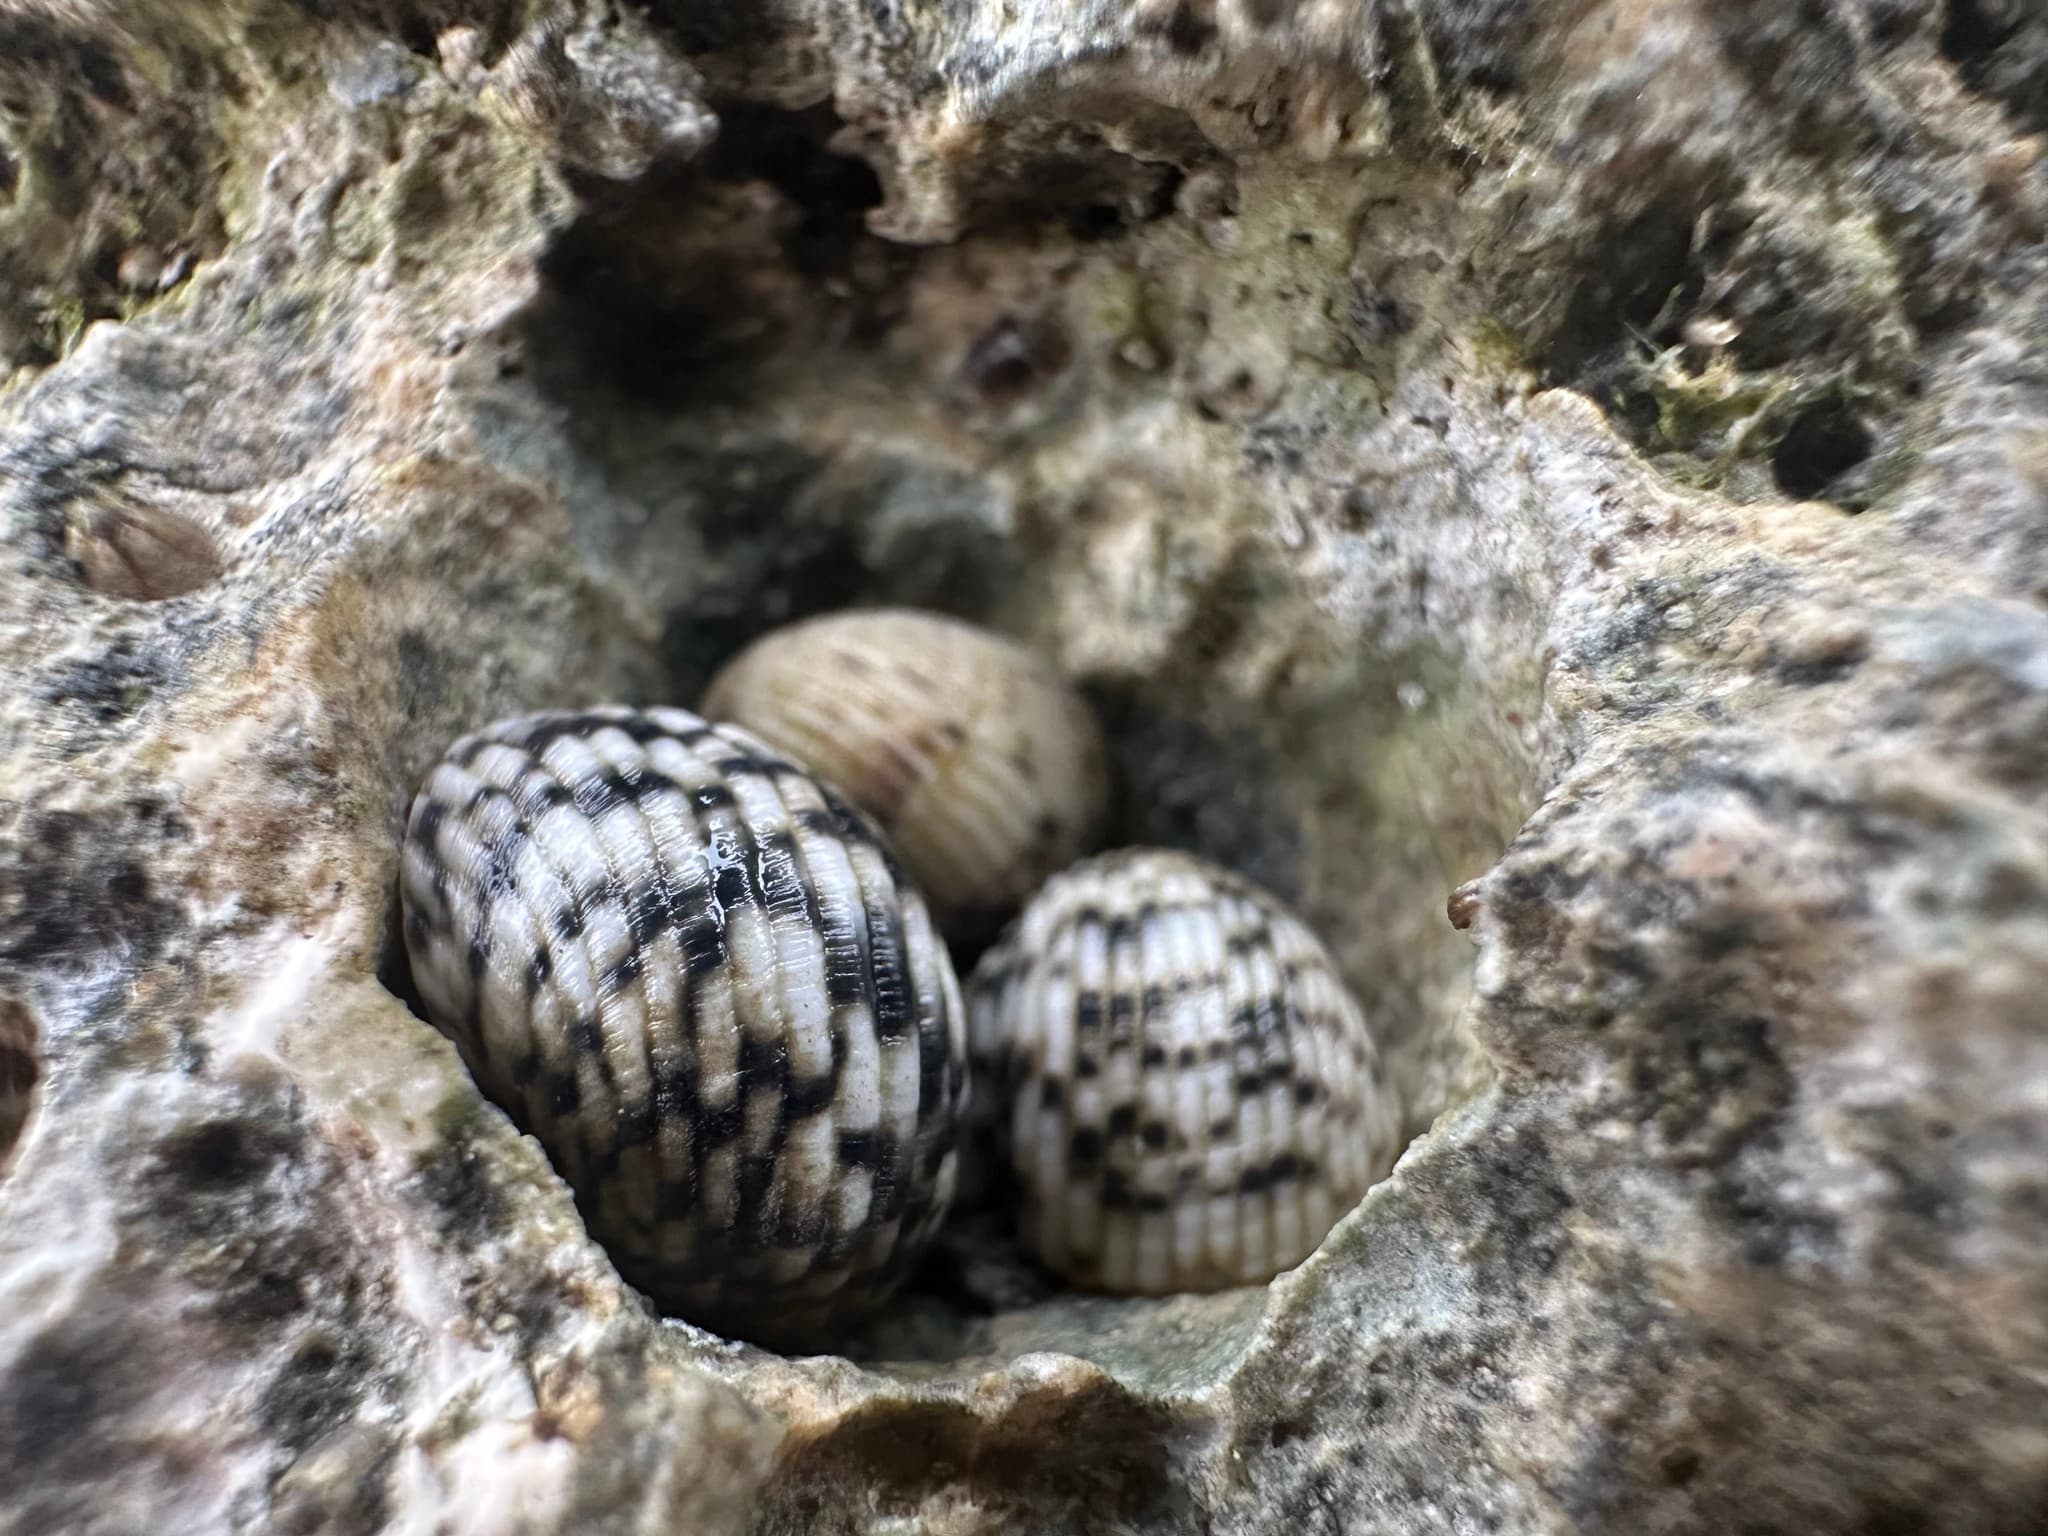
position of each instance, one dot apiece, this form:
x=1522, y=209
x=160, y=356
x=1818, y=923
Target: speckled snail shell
x=697, y=977
x=1178, y=1079
x=984, y=767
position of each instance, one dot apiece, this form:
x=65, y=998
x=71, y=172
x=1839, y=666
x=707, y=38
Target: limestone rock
x=1591, y=459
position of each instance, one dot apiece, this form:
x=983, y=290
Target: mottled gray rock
x=1574, y=472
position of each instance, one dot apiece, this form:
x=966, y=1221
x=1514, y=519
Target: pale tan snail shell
x=696, y=976
x=984, y=767
x=1181, y=1084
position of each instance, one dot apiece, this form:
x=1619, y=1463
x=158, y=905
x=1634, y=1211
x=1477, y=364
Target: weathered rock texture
x=1597, y=450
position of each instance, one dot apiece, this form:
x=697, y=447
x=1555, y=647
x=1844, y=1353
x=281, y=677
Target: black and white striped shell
x=698, y=978
x=1183, y=1088
x=985, y=768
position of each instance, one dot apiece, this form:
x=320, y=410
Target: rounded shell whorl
x=984, y=767
x=696, y=976
x=1180, y=1083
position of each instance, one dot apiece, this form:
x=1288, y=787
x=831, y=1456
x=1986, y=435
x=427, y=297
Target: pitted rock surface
x=1588, y=458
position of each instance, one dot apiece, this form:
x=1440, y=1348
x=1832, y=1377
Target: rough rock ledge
x=1590, y=457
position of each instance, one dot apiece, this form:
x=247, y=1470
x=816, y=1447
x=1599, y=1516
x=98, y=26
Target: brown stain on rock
x=1463, y=905
x=924, y=1456
x=144, y=553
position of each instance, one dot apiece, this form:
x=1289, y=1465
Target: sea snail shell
x=1177, y=1078
x=696, y=976
x=984, y=767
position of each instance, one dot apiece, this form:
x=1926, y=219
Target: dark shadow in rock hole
x=674, y=289
x=418, y=24
x=1975, y=28
x=2000, y=47
x=1094, y=192
x=677, y=304
x=831, y=191
x=714, y=26
x=394, y=965
x=21, y=1069
x=1621, y=296
x=1181, y=783
x=1824, y=443
x=830, y=552
x=1627, y=305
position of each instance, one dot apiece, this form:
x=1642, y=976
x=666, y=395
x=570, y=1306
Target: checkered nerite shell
x=698, y=978
x=1181, y=1085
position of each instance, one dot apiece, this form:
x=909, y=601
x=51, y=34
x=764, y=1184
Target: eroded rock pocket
x=1176, y=1102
